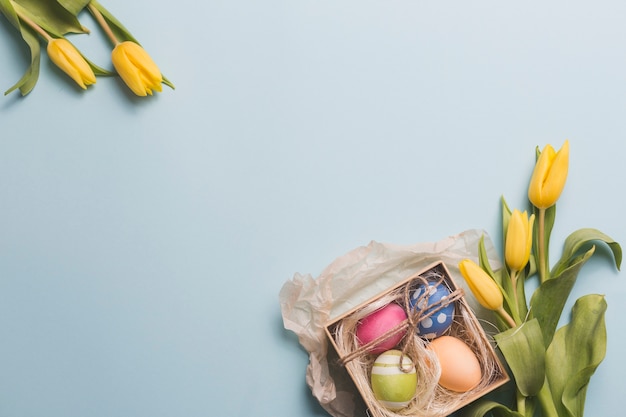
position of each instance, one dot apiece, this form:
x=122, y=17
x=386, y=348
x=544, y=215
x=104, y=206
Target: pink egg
x=378, y=323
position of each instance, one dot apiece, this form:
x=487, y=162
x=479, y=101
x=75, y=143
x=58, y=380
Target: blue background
x=143, y=242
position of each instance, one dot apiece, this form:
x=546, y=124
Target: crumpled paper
x=308, y=304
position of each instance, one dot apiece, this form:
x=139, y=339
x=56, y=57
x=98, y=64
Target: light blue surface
x=143, y=242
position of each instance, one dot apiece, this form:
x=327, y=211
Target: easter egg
x=393, y=383
x=460, y=369
x=377, y=324
x=439, y=322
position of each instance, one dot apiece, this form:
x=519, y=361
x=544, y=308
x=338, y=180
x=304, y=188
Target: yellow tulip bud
x=549, y=175
x=519, y=239
x=136, y=68
x=483, y=287
x=67, y=57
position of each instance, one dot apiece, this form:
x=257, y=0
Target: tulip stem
x=521, y=402
x=541, y=240
x=547, y=402
x=34, y=26
x=103, y=23
x=506, y=316
x=514, y=276
x=515, y=304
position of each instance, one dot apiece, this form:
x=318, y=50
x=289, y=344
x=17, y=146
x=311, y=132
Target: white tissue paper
x=308, y=304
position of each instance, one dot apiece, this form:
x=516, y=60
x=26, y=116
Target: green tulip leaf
x=483, y=407
x=9, y=12
x=550, y=216
x=549, y=299
x=97, y=70
x=580, y=238
x=118, y=29
x=483, y=259
x=50, y=15
x=168, y=83
x=30, y=77
x=520, y=346
x=575, y=353
x=507, y=291
x=522, y=308
x=506, y=286
x=532, y=264
x=73, y=6
x=506, y=215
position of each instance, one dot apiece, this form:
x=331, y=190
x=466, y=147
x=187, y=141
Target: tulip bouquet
x=52, y=20
x=551, y=368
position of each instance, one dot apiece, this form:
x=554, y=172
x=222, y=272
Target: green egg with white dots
x=393, y=382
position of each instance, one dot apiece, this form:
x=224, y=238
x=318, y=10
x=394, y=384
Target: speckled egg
x=377, y=324
x=394, y=383
x=438, y=323
x=460, y=368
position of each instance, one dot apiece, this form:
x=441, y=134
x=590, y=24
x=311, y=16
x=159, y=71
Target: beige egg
x=460, y=369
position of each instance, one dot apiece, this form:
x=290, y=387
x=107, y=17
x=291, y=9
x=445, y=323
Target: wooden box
x=431, y=399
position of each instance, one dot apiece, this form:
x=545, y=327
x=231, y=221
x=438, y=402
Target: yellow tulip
x=482, y=285
x=549, y=175
x=136, y=68
x=67, y=57
x=484, y=288
x=519, y=238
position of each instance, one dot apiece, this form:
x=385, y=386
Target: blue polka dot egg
x=433, y=295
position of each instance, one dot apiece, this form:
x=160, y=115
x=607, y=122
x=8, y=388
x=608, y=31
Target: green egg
x=393, y=387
